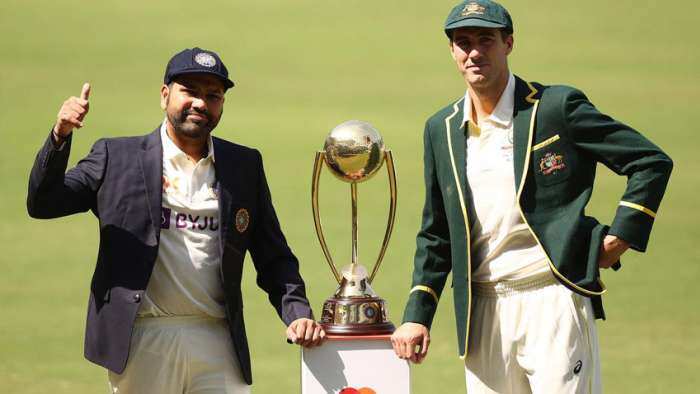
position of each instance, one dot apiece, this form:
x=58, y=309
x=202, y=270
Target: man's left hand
x=306, y=332
x=611, y=250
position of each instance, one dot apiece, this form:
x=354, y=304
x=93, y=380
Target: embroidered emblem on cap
x=205, y=59
x=242, y=220
x=473, y=9
x=551, y=163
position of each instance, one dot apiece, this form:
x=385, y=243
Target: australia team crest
x=551, y=163
x=473, y=8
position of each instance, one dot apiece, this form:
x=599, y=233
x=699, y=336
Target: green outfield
x=301, y=67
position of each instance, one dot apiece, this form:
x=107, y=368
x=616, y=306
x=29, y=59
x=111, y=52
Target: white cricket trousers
x=180, y=355
x=532, y=336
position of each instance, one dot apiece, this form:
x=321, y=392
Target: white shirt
x=186, y=278
x=502, y=246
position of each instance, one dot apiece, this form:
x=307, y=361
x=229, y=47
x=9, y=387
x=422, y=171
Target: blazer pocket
x=546, y=142
x=551, y=162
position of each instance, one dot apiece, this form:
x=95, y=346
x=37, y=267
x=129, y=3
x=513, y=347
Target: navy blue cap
x=197, y=60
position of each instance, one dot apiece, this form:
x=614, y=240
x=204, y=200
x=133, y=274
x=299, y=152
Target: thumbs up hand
x=72, y=113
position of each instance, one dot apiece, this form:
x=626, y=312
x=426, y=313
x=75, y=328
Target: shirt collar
x=170, y=150
x=503, y=113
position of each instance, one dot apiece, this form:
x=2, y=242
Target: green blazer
x=558, y=138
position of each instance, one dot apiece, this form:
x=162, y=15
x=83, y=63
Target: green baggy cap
x=478, y=13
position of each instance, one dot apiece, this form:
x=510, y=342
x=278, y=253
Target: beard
x=191, y=128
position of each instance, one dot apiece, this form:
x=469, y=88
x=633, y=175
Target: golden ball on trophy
x=354, y=151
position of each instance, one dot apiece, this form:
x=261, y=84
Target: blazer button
x=137, y=298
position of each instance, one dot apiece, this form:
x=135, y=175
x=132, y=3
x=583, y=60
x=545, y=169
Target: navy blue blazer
x=120, y=181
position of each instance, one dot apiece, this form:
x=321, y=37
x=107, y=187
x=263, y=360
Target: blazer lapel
x=457, y=141
x=223, y=167
x=526, y=96
x=151, y=161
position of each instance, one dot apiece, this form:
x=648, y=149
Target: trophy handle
x=392, y=211
x=318, y=165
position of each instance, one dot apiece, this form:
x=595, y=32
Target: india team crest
x=205, y=59
x=242, y=220
x=551, y=163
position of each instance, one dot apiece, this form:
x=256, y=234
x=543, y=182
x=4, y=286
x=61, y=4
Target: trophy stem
x=353, y=196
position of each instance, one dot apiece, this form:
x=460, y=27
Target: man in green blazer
x=509, y=169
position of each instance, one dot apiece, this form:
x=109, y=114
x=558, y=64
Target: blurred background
x=302, y=67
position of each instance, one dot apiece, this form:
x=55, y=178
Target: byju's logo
x=186, y=221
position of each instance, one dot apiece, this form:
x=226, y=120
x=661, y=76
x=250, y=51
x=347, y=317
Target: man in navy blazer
x=163, y=275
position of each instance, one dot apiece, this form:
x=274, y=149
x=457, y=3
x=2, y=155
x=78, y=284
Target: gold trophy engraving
x=353, y=152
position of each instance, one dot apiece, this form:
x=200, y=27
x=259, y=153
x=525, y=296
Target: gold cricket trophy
x=354, y=151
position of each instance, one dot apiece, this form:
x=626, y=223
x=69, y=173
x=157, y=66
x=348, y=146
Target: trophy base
x=355, y=316
x=359, y=329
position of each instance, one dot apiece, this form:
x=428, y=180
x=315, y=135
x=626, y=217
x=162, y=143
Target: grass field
x=302, y=67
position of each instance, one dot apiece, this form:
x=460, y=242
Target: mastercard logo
x=363, y=390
